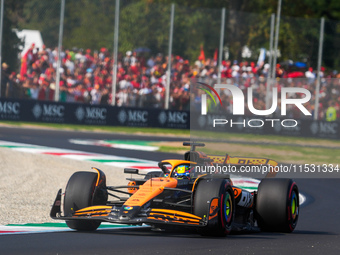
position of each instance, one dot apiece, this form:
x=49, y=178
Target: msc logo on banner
x=91, y=115
x=173, y=119
x=10, y=110
x=133, y=117
x=49, y=112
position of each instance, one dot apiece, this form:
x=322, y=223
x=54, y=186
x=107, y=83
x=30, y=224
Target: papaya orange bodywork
x=101, y=210
x=150, y=189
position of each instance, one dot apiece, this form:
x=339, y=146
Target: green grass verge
x=289, y=154
x=279, y=148
x=197, y=135
x=265, y=138
x=127, y=130
x=279, y=153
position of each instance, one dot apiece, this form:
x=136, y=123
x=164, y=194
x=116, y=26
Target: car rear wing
x=240, y=161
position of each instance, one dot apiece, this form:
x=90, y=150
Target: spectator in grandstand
x=105, y=98
x=310, y=75
x=95, y=94
x=331, y=112
x=87, y=77
x=5, y=79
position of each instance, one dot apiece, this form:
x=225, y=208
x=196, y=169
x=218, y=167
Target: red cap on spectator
x=88, y=51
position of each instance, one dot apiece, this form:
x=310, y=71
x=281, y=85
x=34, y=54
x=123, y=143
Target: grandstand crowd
x=86, y=76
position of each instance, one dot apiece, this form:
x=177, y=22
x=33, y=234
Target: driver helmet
x=182, y=170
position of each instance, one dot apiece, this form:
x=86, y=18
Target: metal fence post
x=115, y=54
x=221, y=46
x=1, y=28
x=60, y=42
x=317, y=90
x=269, y=75
x=168, y=80
x=276, y=39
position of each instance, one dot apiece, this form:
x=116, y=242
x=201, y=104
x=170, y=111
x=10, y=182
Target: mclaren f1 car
x=180, y=196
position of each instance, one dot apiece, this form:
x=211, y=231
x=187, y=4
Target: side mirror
x=131, y=171
x=163, y=167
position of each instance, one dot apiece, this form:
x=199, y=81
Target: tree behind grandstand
x=89, y=24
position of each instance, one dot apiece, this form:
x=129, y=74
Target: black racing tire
x=277, y=205
x=79, y=194
x=206, y=190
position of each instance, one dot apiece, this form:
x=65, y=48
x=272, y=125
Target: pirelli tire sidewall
x=277, y=205
x=219, y=222
x=79, y=193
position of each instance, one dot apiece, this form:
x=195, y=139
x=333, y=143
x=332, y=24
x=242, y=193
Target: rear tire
x=79, y=194
x=277, y=205
x=220, y=221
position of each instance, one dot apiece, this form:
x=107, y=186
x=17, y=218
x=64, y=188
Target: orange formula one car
x=181, y=195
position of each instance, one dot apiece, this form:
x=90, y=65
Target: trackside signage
x=133, y=117
x=73, y=113
x=173, y=119
x=10, y=110
x=92, y=115
x=49, y=112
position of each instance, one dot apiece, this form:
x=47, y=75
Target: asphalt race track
x=317, y=232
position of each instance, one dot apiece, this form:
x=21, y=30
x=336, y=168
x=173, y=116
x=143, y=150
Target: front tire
x=79, y=194
x=277, y=205
x=218, y=213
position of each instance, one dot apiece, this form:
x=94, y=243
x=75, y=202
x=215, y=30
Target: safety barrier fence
x=106, y=115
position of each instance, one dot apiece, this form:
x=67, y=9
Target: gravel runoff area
x=29, y=183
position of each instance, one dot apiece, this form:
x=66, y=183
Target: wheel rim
x=294, y=206
x=228, y=207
